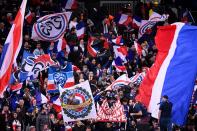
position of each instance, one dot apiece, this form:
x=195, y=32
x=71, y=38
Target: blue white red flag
x=80, y=29
x=70, y=4
x=32, y=65
x=174, y=71
x=118, y=40
x=124, y=19
x=60, y=45
x=60, y=78
x=118, y=64
x=120, y=51
x=136, y=22
x=138, y=48
x=11, y=48
x=91, y=50
x=50, y=27
x=40, y=98
x=29, y=17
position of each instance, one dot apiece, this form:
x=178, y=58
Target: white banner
x=50, y=27
x=77, y=103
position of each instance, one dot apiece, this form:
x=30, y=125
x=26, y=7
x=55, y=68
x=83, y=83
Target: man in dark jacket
x=164, y=116
x=43, y=119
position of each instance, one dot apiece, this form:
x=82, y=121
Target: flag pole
x=191, y=15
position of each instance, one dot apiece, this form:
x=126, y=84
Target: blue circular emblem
x=59, y=79
x=76, y=103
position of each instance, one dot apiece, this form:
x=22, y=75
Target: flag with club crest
x=77, y=103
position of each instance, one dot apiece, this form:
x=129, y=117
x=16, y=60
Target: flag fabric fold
x=11, y=48
x=174, y=71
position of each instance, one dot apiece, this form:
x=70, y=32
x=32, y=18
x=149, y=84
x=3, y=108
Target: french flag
x=40, y=98
x=136, y=22
x=174, y=71
x=80, y=30
x=57, y=105
x=11, y=48
x=29, y=17
x=120, y=51
x=60, y=45
x=138, y=48
x=70, y=4
x=118, y=40
x=124, y=19
x=118, y=64
x=92, y=51
x=16, y=86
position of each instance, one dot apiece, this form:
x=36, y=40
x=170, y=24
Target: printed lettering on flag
x=77, y=103
x=50, y=27
x=11, y=48
x=115, y=113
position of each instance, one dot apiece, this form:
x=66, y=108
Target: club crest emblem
x=59, y=79
x=76, y=103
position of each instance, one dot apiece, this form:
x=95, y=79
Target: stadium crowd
x=19, y=111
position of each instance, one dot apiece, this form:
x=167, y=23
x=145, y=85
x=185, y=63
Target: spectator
x=164, y=116
x=38, y=51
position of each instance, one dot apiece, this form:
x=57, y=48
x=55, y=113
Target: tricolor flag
x=60, y=78
x=11, y=48
x=174, y=71
x=40, y=98
x=136, y=22
x=118, y=64
x=80, y=29
x=92, y=51
x=16, y=86
x=124, y=19
x=29, y=17
x=57, y=105
x=137, y=79
x=138, y=48
x=70, y=4
x=120, y=51
x=60, y=45
x=118, y=40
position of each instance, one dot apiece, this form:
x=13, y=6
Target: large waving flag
x=174, y=71
x=80, y=29
x=50, y=27
x=11, y=48
x=32, y=65
x=77, y=103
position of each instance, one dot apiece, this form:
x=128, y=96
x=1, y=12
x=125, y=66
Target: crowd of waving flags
x=175, y=59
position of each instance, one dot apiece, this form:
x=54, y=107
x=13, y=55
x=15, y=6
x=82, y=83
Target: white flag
x=77, y=103
x=50, y=27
